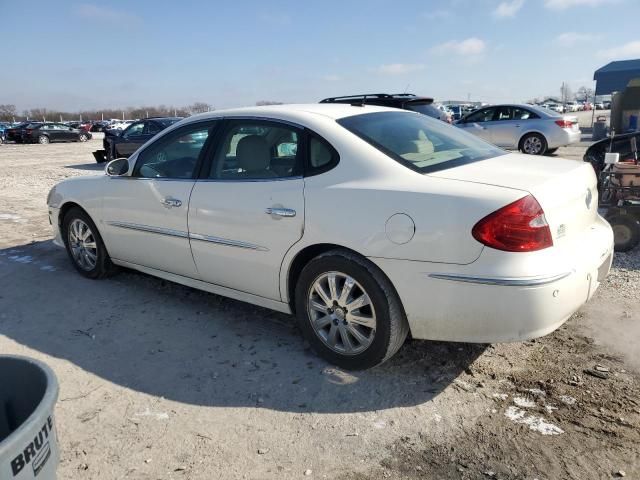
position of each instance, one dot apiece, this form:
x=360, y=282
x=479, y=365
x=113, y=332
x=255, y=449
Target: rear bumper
x=562, y=137
x=488, y=301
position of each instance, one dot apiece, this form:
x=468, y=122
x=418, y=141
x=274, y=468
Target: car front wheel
x=348, y=311
x=43, y=139
x=84, y=245
x=533, y=144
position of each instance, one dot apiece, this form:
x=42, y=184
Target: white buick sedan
x=366, y=222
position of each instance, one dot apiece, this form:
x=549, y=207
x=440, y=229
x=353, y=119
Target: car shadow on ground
x=87, y=166
x=167, y=340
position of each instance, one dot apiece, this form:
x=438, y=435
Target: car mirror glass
x=117, y=167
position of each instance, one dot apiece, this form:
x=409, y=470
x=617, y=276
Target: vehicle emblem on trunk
x=588, y=198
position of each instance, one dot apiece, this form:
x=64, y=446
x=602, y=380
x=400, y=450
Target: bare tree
x=584, y=94
x=262, y=103
x=565, y=93
x=8, y=112
x=199, y=107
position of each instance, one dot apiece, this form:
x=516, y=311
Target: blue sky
x=75, y=55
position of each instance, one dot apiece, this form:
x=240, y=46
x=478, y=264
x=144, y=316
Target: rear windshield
x=419, y=142
x=425, y=109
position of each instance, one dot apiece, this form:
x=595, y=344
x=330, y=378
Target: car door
x=504, y=130
x=130, y=139
x=248, y=209
x=145, y=213
x=479, y=123
x=66, y=133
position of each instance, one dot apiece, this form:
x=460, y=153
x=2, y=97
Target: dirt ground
x=159, y=381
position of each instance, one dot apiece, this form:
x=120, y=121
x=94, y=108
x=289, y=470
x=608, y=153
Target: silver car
x=527, y=128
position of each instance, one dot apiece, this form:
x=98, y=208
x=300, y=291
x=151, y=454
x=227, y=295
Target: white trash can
x=28, y=441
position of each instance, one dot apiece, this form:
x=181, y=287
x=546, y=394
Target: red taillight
x=519, y=227
x=564, y=123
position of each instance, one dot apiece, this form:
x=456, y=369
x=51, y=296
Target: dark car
x=621, y=144
x=122, y=144
x=405, y=101
x=44, y=133
x=100, y=126
x=3, y=131
x=14, y=134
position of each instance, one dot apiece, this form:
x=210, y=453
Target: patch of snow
x=550, y=408
x=149, y=413
x=437, y=418
x=537, y=424
x=537, y=392
x=21, y=259
x=10, y=217
x=379, y=424
x=524, y=402
x=501, y=396
x=567, y=399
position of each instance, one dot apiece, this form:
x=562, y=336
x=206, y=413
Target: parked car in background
x=572, y=107
x=3, y=129
x=405, y=101
x=49, y=132
x=122, y=143
x=599, y=106
x=14, y=133
x=329, y=212
x=99, y=126
x=554, y=107
x=527, y=128
x=606, y=105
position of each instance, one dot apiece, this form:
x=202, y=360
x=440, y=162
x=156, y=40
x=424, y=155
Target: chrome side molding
x=502, y=281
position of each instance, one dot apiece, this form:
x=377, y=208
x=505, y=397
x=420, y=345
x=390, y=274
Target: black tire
x=533, y=139
x=43, y=140
x=82, y=137
x=103, y=265
x=551, y=151
x=626, y=232
x=391, y=327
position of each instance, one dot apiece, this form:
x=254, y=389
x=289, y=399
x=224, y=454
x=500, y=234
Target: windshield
x=419, y=142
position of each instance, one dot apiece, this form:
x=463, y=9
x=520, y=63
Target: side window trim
x=217, y=144
x=309, y=170
x=211, y=123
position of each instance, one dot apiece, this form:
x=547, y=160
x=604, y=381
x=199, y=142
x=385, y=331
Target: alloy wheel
x=532, y=145
x=43, y=140
x=83, y=245
x=341, y=313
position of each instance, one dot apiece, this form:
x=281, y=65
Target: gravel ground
x=159, y=381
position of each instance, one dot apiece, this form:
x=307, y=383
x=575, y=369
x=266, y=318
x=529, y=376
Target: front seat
x=253, y=156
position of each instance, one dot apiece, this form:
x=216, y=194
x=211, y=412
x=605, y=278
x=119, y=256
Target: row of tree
x=583, y=94
x=9, y=113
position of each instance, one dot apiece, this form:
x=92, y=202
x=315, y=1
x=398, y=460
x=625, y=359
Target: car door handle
x=280, y=212
x=517, y=125
x=170, y=202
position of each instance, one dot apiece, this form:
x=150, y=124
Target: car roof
x=333, y=111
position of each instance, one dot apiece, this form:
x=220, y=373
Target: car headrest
x=252, y=153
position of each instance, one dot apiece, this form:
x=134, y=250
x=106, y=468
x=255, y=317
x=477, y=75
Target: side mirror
x=117, y=167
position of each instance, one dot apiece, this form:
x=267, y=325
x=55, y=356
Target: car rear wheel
x=626, y=232
x=348, y=311
x=84, y=245
x=83, y=137
x=43, y=139
x=533, y=144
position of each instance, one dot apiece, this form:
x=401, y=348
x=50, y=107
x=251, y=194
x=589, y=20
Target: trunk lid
x=565, y=189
